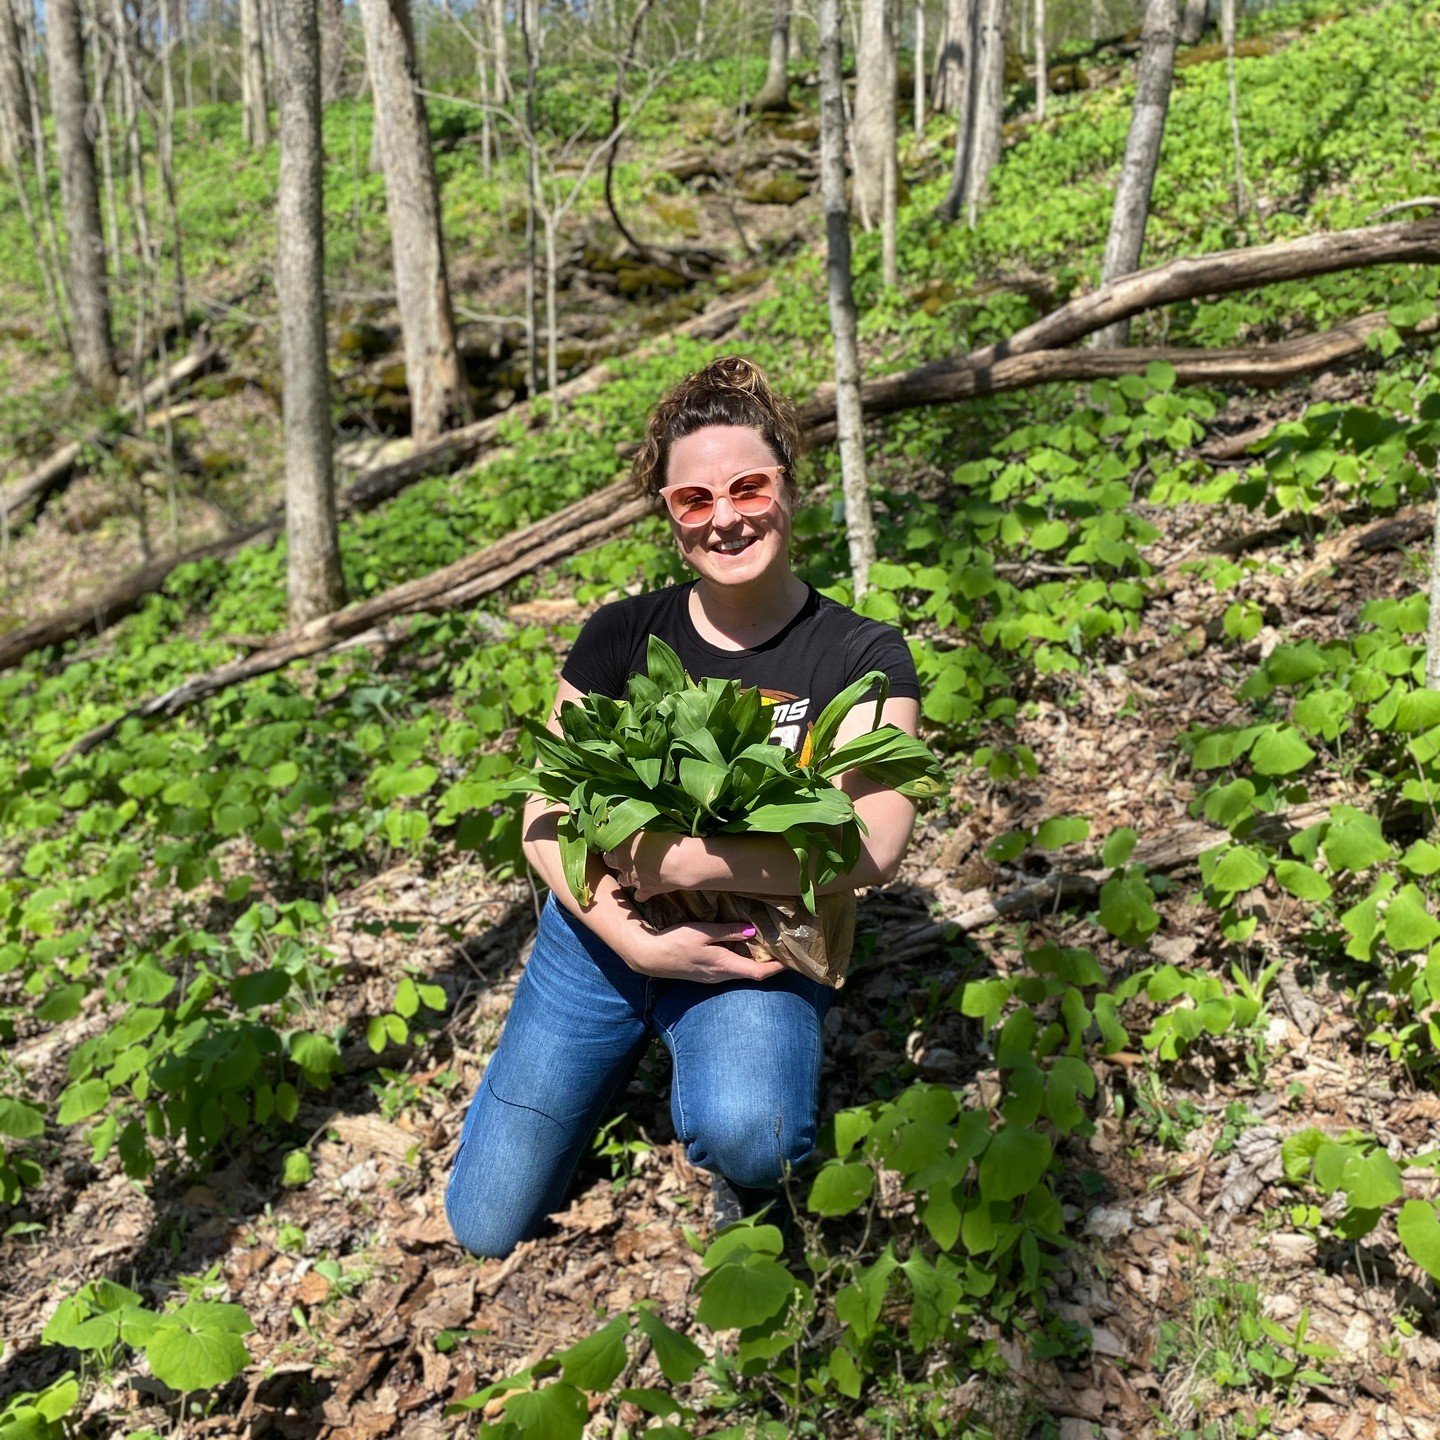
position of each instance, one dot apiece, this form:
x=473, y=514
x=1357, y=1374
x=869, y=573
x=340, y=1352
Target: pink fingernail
x=749, y=932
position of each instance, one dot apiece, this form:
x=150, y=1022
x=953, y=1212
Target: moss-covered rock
x=362, y=341
x=767, y=189
x=649, y=280
x=1209, y=54
x=678, y=216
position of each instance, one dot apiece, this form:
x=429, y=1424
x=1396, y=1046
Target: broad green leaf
x=81, y=1100
x=1280, y=751
x=20, y=1120
x=1061, y=830
x=746, y=1293
x=555, y=1412
x=1419, y=1227
x=1240, y=868
x=678, y=1356
x=1371, y=1181
x=841, y=1187
x=1125, y=908
x=1408, y=922
x=1302, y=881
x=197, y=1347
x=1013, y=1162
x=1356, y=843
x=1119, y=846
x=663, y=665
x=597, y=1360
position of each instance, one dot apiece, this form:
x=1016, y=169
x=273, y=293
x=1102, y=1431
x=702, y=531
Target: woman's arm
x=765, y=864
x=704, y=951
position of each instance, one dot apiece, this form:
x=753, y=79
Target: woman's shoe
x=729, y=1203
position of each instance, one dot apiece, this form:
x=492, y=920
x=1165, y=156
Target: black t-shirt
x=826, y=647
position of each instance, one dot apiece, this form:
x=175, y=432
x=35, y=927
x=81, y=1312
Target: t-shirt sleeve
x=878, y=646
x=599, y=658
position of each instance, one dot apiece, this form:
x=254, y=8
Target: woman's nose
x=718, y=518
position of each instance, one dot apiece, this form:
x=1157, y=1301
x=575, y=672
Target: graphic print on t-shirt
x=789, y=710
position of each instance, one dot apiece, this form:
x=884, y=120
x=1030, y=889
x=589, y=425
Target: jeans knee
x=480, y=1231
x=752, y=1147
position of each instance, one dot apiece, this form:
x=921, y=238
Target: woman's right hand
x=701, y=950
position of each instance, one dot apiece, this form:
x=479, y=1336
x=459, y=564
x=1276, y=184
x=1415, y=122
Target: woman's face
x=712, y=456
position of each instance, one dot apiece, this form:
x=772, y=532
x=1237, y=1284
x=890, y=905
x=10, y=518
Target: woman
x=745, y=1035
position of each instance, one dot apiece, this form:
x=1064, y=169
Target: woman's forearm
x=755, y=865
x=612, y=914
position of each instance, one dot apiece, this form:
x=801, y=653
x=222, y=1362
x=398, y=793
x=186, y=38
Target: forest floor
x=1185, y=1199
x=369, y=1318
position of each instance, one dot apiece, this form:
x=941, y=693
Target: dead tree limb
x=1224, y=272
x=588, y=522
x=1171, y=850
x=56, y=469
x=373, y=488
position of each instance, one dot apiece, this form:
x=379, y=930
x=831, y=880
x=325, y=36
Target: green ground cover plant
x=184, y=872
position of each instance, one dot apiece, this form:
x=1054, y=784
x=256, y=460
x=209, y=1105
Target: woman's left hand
x=638, y=864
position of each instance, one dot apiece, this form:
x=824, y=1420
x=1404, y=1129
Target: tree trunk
x=332, y=51
x=953, y=55
x=775, y=92
x=1042, y=77
x=1227, y=30
x=989, y=105
x=954, y=77
x=874, y=108
x=1142, y=155
x=15, y=138
x=890, y=176
x=859, y=524
x=918, y=65
x=254, y=110
x=1432, y=635
x=94, y=348
x=531, y=43
x=315, y=583
x=1192, y=21
x=504, y=92
x=433, y=373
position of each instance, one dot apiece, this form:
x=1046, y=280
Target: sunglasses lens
x=750, y=494
x=691, y=507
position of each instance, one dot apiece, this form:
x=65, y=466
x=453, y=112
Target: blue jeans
x=744, y=1095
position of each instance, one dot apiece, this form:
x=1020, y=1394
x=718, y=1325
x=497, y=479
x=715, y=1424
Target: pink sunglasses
x=752, y=492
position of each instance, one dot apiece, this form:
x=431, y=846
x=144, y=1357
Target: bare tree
x=332, y=50
x=1042, y=77
x=953, y=56
x=874, y=137
x=859, y=523
x=1142, y=154
x=980, y=36
x=918, y=66
x=1432, y=635
x=1227, y=32
x=504, y=91
x=315, y=582
x=15, y=139
x=1192, y=20
x=254, y=112
x=433, y=372
x=775, y=92
x=91, y=341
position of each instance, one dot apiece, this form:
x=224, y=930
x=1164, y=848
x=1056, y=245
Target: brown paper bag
x=817, y=945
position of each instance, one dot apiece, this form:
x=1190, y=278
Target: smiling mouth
x=749, y=540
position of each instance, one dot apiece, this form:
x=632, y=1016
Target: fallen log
x=1262, y=366
x=56, y=469
x=1187, y=278
x=588, y=522
x=373, y=488
x=1171, y=850
x=1019, y=361
x=1394, y=532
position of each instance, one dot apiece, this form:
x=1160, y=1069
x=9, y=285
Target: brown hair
x=730, y=390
